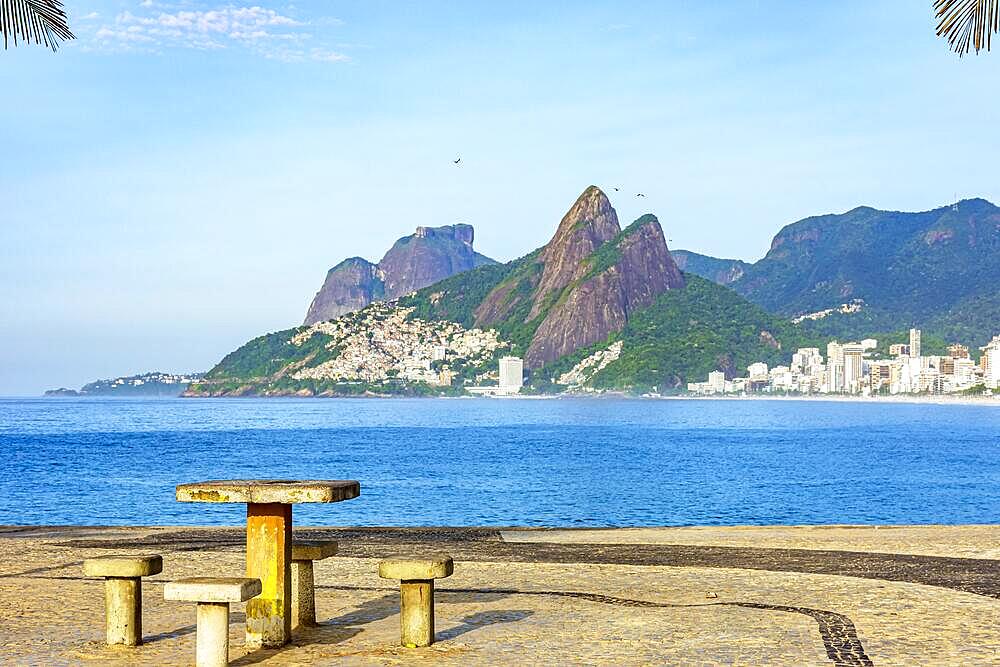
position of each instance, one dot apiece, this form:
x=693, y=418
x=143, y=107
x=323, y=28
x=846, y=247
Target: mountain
x=936, y=270
x=423, y=258
x=867, y=270
x=598, y=306
x=349, y=286
x=721, y=271
x=614, y=302
x=584, y=283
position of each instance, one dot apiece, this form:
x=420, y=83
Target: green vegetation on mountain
x=721, y=271
x=266, y=355
x=687, y=333
x=456, y=298
x=934, y=270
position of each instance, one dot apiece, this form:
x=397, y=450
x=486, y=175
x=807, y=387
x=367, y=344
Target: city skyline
x=851, y=369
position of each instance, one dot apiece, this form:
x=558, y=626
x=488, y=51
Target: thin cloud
x=264, y=31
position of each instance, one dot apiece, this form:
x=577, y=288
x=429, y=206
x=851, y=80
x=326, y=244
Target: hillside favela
x=523, y=333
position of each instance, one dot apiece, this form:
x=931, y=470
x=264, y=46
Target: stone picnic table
x=269, y=541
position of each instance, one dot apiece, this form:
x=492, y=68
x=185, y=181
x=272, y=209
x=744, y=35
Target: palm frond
x=34, y=21
x=967, y=24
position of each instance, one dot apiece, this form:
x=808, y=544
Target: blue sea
x=560, y=462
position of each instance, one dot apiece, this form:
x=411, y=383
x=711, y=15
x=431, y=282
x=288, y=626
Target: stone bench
x=213, y=595
x=304, y=552
x=416, y=577
x=123, y=593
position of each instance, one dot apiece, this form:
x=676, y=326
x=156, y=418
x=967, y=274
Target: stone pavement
x=926, y=595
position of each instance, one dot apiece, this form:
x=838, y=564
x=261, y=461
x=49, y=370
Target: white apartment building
x=964, y=375
x=805, y=358
x=782, y=378
x=834, y=367
x=717, y=382
x=914, y=342
x=511, y=375
x=992, y=369
x=757, y=371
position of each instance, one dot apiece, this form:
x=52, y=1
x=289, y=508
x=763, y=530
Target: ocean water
x=563, y=462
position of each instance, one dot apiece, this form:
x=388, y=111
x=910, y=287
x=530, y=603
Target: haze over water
x=565, y=462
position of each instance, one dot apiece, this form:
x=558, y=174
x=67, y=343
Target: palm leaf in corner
x=967, y=24
x=34, y=21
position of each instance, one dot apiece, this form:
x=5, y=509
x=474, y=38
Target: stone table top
x=212, y=589
x=284, y=491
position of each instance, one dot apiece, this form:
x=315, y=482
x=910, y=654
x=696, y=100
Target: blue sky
x=180, y=178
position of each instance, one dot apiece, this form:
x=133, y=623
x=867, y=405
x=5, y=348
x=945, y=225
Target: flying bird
x=456, y=160
x=639, y=194
x=614, y=188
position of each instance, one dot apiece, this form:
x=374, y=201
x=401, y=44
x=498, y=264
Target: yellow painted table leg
x=269, y=557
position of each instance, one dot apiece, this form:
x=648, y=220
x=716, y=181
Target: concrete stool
x=123, y=593
x=213, y=595
x=416, y=594
x=304, y=552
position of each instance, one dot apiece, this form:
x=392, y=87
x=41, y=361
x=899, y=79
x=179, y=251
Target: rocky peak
x=624, y=275
x=428, y=255
x=460, y=232
x=349, y=286
x=585, y=283
x=588, y=224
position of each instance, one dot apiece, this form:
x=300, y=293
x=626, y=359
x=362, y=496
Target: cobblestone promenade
x=927, y=595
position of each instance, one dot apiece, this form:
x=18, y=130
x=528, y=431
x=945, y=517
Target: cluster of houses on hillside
x=381, y=343
x=850, y=368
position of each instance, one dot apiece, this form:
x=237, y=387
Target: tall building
x=914, y=342
x=853, y=367
x=991, y=363
x=511, y=375
x=717, y=382
x=835, y=366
